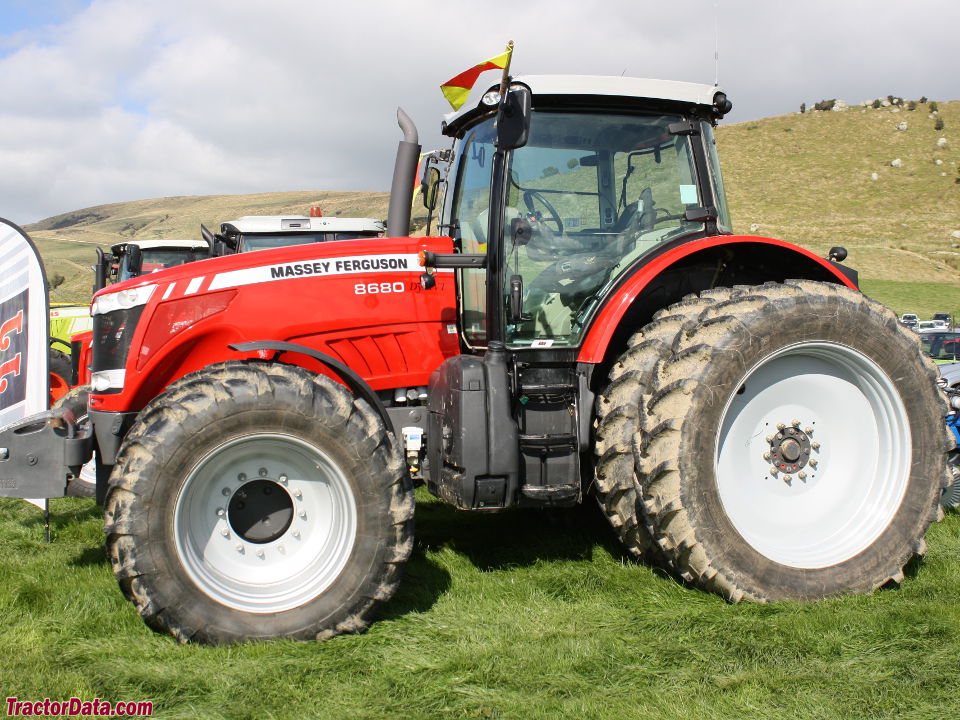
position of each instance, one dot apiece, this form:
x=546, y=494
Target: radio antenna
x=716, y=46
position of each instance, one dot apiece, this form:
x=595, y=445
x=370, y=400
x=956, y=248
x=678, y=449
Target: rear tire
x=618, y=420
x=254, y=501
x=861, y=423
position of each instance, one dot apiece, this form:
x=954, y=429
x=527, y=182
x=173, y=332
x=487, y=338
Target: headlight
x=122, y=300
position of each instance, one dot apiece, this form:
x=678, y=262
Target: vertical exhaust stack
x=404, y=176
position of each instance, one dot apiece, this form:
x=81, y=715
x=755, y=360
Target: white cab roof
x=620, y=86
x=302, y=223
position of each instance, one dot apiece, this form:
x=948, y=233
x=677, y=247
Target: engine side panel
x=358, y=301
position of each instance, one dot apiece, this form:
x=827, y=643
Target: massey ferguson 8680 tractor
x=585, y=328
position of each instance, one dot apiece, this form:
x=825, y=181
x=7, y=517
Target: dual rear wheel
x=781, y=441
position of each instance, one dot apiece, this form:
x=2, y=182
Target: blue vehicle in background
x=950, y=381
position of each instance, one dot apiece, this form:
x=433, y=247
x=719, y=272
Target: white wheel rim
x=859, y=442
x=283, y=572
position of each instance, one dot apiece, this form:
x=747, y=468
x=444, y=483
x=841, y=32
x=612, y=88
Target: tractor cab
x=561, y=212
x=138, y=257
x=554, y=197
x=263, y=232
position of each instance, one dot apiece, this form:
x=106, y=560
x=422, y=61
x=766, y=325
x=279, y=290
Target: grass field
x=521, y=615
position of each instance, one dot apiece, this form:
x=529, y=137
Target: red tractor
x=587, y=329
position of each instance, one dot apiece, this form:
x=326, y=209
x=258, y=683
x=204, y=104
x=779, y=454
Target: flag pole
x=506, y=71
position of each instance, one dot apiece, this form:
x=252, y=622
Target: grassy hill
x=806, y=178
x=66, y=242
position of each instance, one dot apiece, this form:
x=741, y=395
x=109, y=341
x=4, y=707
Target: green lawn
x=923, y=299
x=518, y=615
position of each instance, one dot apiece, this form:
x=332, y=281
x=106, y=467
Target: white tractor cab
x=261, y=232
x=138, y=257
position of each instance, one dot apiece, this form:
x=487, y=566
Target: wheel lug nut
x=795, y=423
x=282, y=549
x=780, y=426
x=242, y=477
x=221, y=512
x=296, y=534
x=263, y=472
x=225, y=532
x=813, y=463
x=769, y=438
x=766, y=456
x=225, y=491
x=802, y=475
x=283, y=478
x=787, y=479
x=815, y=446
x=808, y=430
x=260, y=554
x=774, y=469
x=240, y=548
x=297, y=494
x=302, y=514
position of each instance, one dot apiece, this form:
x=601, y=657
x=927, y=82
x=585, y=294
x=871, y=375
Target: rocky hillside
x=884, y=182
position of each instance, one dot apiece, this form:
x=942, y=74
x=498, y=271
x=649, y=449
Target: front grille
x=112, y=336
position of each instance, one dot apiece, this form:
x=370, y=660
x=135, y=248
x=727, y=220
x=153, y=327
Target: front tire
x=256, y=501
x=789, y=445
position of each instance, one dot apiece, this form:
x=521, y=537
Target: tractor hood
x=313, y=260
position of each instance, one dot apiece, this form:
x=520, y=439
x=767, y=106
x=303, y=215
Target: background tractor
x=586, y=327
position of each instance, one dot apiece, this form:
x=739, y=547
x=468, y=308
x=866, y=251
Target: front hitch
x=40, y=453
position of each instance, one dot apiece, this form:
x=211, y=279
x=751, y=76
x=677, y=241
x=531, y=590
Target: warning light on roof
x=316, y=211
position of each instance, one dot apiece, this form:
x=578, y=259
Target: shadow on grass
x=516, y=538
x=495, y=541
x=423, y=583
x=90, y=556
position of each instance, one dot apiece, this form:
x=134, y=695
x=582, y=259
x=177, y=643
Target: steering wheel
x=530, y=195
x=572, y=278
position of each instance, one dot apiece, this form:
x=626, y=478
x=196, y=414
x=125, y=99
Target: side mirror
x=134, y=260
x=429, y=187
x=838, y=254
x=513, y=119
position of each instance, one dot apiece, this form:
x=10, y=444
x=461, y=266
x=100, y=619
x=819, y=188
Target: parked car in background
x=945, y=317
x=930, y=326
x=910, y=320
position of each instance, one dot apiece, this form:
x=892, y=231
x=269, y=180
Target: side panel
x=358, y=301
x=595, y=344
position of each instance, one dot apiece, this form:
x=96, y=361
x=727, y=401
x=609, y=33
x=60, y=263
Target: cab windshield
x=587, y=196
x=159, y=259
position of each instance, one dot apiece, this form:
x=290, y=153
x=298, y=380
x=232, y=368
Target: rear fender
x=721, y=261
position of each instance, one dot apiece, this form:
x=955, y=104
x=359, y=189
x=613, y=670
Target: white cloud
x=129, y=100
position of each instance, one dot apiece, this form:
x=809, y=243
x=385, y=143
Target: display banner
x=24, y=332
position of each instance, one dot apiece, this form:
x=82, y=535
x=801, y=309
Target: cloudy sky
x=113, y=100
